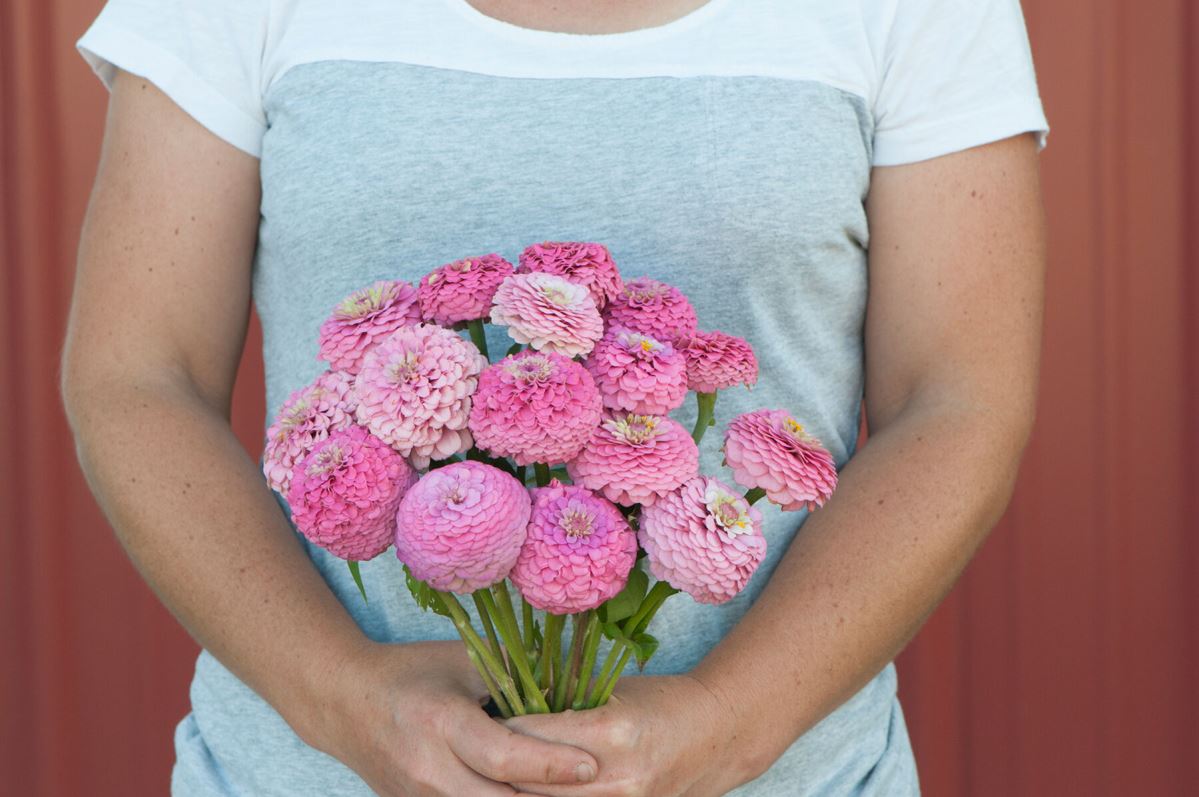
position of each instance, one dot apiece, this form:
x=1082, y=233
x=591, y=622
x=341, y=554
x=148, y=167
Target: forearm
x=198, y=521
x=866, y=570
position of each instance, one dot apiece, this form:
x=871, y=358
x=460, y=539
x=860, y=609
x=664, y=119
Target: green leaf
x=357, y=574
x=513, y=349
x=424, y=595
x=612, y=631
x=644, y=647
x=626, y=602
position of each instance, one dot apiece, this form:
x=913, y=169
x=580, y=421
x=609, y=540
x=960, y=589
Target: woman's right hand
x=409, y=720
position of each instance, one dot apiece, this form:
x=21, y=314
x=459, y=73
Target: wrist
x=331, y=684
x=733, y=716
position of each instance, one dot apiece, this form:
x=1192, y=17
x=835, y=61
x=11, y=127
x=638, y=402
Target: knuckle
x=498, y=761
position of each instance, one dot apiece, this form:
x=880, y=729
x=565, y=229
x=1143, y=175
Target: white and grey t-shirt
x=728, y=152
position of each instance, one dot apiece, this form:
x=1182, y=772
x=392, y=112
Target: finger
x=500, y=754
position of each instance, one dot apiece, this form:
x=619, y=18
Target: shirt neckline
x=509, y=30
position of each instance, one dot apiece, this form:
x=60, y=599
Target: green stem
x=488, y=628
x=605, y=689
x=649, y=607
x=567, y=684
x=505, y=620
x=591, y=642
x=478, y=336
x=551, y=644
x=634, y=625
x=542, y=472
x=526, y=611
x=753, y=495
x=481, y=655
x=705, y=417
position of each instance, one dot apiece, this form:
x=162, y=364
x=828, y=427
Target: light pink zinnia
x=461, y=527
x=535, y=407
x=462, y=290
x=771, y=451
x=652, y=307
x=414, y=392
x=635, y=459
x=716, y=361
x=578, y=552
x=703, y=539
x=637, y=372
x=363, y=318
x=344, y=495
x=308, y=416
x=548, y=312
x=588, y=264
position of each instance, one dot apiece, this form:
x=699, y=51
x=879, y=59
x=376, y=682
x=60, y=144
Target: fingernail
x=584, y=773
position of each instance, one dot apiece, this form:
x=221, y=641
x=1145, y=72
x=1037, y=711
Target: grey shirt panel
x=745, y=192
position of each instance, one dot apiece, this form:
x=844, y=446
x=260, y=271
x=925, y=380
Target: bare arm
x=952, y=349
x=156, y=330
x=953, y=335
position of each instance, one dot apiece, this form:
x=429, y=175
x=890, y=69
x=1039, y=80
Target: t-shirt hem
x=106, y=48
x=963, y=131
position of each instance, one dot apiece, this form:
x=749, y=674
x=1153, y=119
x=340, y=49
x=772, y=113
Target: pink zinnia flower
x=716, y=361
x=578, y=552
x=703, y=539
x=460, y=527
x=535, y=407
x=637, y=372
x=363, y=318
x=548, y=313
x=635, y=459
x=462, y=290
x=771, y=451
x=652, y=307
x=588, y=264
x=344, y=495
x=414, y=392
x=308, y=416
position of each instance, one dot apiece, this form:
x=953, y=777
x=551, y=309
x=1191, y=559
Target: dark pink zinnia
x=462, y=290
x=716, y=361
x=771, y=451
x=535, y=407
x=652, y=307
x=362, y=319
x=637, y=372
x=635, y=459
x=578, y=552
x=344, y=495
x=588, y=264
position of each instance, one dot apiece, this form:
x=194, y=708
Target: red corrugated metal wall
x=1065, y=662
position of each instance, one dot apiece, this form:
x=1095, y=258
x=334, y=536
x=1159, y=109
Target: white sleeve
x=206, y=55
x=953, y=74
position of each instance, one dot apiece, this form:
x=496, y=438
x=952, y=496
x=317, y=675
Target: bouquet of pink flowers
x=557, y=467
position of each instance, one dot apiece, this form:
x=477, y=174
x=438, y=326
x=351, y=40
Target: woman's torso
x=727, y=153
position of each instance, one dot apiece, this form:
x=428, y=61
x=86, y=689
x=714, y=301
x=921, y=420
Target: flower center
x=327, y=459
x=635, y=340
x=556, y=295
x=796, y=430
x=635, y=429
x=405, y=369
x=530, y=369
x=644, y=291
x=461, y=265
x=577, y=523
x=729, y=511
x=363, y=302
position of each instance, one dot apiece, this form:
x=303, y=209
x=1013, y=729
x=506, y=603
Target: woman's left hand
x=658, y=736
